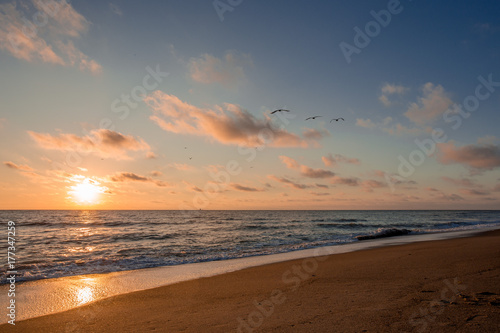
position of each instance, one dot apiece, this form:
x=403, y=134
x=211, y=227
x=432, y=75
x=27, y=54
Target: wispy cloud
x=115, y=9
x=243, y=188
x=389, y=126
x=151, y=155
x=330, y=160
x=289, y=182
x=468, y=191
x=54, y=43
x=15, y=166
x=229, y=125
x=228, y=71
x=314, y=134
x=305, y=170
x=132, y=177
x=460, y=182
x=349, y=181
x=102, y=142
x=391, y=89
x=434, y=102
x=428, y=107
x=182, y=166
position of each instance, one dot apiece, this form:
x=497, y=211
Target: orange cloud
x=314, y=134
x=305, y=170
x=12, y=165
x=330, y=160
x=228, y=125
x=227, y=71
x=431, y=105
x=245, y=188
x=481, y=156
x=52, y=44
x=132, y=177
x=288, y=182
x=102, y=142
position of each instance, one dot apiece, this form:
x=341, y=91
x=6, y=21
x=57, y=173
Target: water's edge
x=42, y=297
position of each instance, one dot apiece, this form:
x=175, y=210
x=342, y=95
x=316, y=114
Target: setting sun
x=86, y=191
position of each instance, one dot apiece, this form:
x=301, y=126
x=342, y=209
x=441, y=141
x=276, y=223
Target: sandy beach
x=435, y=286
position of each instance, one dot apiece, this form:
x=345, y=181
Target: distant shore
x=446, y=285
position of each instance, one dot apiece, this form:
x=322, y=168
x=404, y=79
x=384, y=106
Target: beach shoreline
x=273, y=297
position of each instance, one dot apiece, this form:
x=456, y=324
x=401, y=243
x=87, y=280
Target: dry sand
x=436, y=286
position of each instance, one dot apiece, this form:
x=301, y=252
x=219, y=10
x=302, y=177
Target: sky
x=169, y=104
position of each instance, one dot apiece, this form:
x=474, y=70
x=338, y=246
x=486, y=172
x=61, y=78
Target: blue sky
x=62, y=83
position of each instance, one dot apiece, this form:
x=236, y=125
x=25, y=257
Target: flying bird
x=337, y=119
x=312, y=117
x=280, y=110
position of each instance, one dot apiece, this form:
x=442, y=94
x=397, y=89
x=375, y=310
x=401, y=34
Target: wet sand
x=436, y=286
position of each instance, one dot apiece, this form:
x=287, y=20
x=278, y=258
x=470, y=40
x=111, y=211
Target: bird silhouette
x=312, y=117
x=337, y=119
x=280, y=110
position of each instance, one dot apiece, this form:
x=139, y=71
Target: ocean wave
x=382, y=233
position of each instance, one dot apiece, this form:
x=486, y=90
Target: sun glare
x=86, y=190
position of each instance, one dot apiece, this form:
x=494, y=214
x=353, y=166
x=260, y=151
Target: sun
x=86, y=191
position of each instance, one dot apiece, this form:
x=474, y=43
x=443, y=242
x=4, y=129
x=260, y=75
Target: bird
x=337, y=119
x=312, y=117
x=280, y=110
x=190, y=158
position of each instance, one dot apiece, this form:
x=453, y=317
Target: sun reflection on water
x=86, y=291
x=85, y=295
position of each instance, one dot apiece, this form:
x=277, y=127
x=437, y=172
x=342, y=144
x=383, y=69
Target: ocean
x=52, y=244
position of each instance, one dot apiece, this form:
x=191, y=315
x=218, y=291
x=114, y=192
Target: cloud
x=388, y=126
x=51, y=40
x=182, y=166
x=12, y=165
x=229, y=125
x=366, y=123
x=227, y=71
x=289, y=182
x=132, y=177
x=305, y=170
x=371, y=183
x=314, y=134
x=76, y=58
x=460, y=182
x=319, y=193
x=289, y=162
x=245, y=188
x=391, y=89
x=102, y=142
x=480, y=156
x=115, y=9
x=451, y=197
x=315, y=173
x=349, y=181
x=468, y=191
x=330, y=160
x=156, y=173
x=321, y=185
x=150, y=155
x=431, y=105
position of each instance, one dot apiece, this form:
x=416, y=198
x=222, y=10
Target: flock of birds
x=313, y=117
